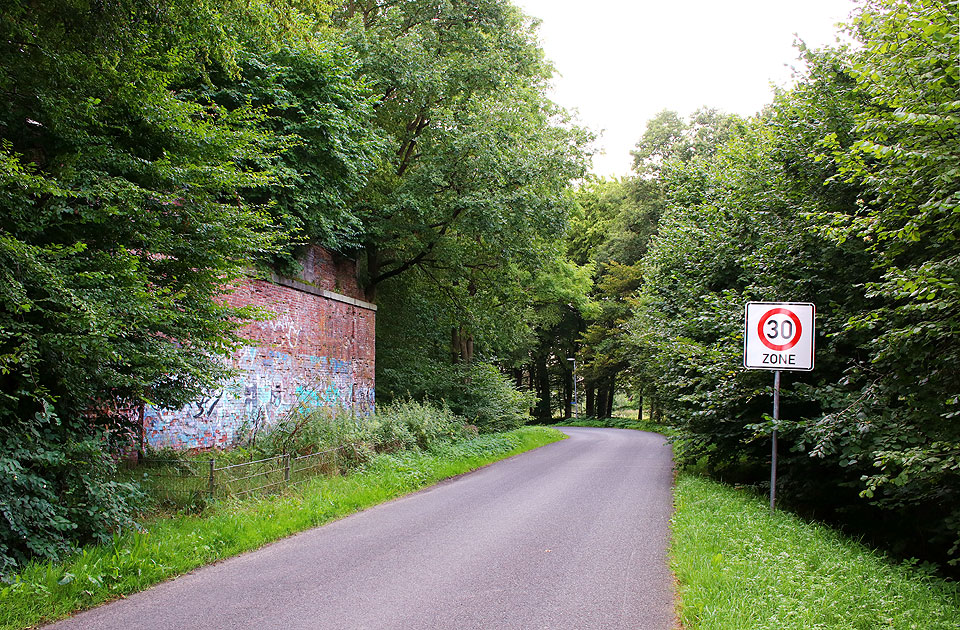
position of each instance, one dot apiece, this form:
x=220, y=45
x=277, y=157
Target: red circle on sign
x=796, y=323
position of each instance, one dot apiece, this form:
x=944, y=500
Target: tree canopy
x=842, y=192
x=463, y=216
x=152, y=154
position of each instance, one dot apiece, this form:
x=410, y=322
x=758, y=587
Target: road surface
x=569, y=536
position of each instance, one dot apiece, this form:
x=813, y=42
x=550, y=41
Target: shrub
x=487, y=398
x=405, y=426
x=427, y=424
x=307, y=429
x=57, y=493
x=402, y=425
x=393, y=436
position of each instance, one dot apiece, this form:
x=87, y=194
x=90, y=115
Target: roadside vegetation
x=739, y=566
x=162, y=547
x=153, y=152
x=304, y=442
x=842, y=192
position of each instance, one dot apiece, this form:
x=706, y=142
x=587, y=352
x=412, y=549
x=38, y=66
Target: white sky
x=620, y=62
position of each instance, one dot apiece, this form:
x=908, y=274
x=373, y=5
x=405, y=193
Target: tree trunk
x=543, y=389
x=518, y=377
x=640, y=408
x=613, y=388
x=591, y=409
x=461, y=346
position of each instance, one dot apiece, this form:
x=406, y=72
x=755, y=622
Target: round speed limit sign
x=779, y=336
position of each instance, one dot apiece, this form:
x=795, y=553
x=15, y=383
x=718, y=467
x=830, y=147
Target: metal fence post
x=286, y=468
x=212, y=483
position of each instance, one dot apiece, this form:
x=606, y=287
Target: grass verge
x=739, y=567
x=167, y=547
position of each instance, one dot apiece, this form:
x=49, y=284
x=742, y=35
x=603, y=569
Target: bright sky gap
x=620, y=62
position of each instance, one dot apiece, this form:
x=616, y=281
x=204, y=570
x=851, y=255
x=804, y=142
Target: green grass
x=740, y=567
x=167, y=547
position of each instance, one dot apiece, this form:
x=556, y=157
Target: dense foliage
x=150, y=154
x=464, y=216
x=118, y=226
x=611, y=231
x=843, y=192
x=399, y=426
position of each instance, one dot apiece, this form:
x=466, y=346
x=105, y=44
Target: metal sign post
x=778, y=336
x=773, y=453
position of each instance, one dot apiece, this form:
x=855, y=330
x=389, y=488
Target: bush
x=306, y=429
x=403, y=427
x=399, y=426
x=393, y=436
x=486, y=397
x=427, y=424
x=57, y=493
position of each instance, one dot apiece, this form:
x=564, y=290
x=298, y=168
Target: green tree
x=737, y=228
x=319, y=116
x=618, y=222
x=612, y=229
x=668, y=137
x=904, y=390
x=129, y=201
x=842, y=193
x=472, y=194
x=479, y=159
x=559, y=299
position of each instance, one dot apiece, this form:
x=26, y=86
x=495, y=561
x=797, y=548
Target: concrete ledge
x=309, y=288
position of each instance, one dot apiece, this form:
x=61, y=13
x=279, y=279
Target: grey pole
x=576, y=404
x=773, y=455
x=576, y=397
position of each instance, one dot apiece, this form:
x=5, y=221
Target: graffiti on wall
x=318, y=350
x=270, y=383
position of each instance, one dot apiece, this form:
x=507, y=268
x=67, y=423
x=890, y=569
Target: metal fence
x=182, y=481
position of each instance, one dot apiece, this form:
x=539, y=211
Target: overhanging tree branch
x=422, y=256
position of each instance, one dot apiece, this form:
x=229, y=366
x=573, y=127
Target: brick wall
x=318, y=349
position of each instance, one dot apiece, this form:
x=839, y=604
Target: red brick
x=315, y=351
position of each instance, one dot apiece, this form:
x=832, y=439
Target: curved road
x=571, y=535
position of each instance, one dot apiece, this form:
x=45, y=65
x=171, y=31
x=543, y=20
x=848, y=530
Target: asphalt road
x=572, y=535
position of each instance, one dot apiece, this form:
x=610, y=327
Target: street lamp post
x=576, y=403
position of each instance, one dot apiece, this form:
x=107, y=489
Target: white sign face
x=778, y=336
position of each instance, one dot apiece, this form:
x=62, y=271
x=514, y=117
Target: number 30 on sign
x=778, y=336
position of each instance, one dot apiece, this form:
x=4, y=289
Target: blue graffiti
x=269, y=383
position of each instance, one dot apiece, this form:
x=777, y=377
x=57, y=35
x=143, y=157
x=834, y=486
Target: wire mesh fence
x=173, y=481
x=186, y=481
